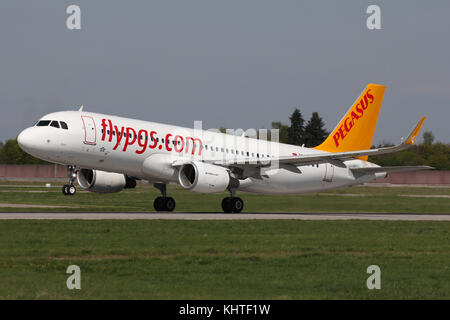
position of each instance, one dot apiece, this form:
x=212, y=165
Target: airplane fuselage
x=122, y=145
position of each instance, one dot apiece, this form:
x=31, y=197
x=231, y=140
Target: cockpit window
x=43, y=123
x=64, y=125
x=54, y=124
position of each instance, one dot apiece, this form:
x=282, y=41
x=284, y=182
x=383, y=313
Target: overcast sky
x=237, y=64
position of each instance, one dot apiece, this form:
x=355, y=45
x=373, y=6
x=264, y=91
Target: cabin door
x=90, y=135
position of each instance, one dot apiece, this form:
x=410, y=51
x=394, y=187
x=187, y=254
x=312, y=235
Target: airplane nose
x=25, y=138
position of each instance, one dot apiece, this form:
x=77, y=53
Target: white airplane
x=108, y=153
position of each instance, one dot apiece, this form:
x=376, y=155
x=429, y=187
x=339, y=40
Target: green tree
x=428, y=153
x=11, y=153
x=296, y=130
x=315, y=132
x=428, y=138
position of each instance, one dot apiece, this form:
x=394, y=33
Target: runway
x=223, y=216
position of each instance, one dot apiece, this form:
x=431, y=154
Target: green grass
x=163, y=259
x=224, y=259
x=352, y=199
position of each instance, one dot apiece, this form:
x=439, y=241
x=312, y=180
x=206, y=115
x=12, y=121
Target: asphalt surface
x=224, y=216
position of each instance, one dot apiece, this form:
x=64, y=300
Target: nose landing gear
x=69, y=189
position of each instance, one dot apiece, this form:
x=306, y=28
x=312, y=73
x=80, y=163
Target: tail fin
x=355, y=130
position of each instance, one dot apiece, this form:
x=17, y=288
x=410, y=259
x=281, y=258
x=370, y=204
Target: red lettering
x=342, y=132
x=179, y=148
x=364, y=103
x=336, y=138
x=194, y=145
x=359, y=110
x=369, y=96
x=142, y=141
x=110, y=130
x=153, y=138
x=167, y=142
x=119, y=136
x=347, y=127
x=354, y=116
x=127, y=139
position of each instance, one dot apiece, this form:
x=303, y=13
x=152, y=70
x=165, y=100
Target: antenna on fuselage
x=81, y=108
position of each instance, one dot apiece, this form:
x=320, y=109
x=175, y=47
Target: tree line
x=309, y=134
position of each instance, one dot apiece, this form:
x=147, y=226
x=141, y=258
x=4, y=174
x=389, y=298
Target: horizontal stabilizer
x=390, y=169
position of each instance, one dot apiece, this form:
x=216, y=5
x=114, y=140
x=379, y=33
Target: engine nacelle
x=205, y=178
x=103, y=182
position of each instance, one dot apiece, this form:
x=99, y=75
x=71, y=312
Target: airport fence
x=58, y=171
x=32, y=171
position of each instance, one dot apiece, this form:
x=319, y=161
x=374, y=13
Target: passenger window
x=54, y=124
x=63, y=125
x=43, y=123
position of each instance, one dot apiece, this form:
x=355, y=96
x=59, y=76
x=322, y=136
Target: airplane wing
x=324, y=157
x=389, y=169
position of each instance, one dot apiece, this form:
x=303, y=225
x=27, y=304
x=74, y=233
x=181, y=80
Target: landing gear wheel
x=164, y=204
x=72, y=190
x=232, y=204
x=169, y=204
x=158, y=204
x=69, y=190
x=226, y=205
x=237, y=205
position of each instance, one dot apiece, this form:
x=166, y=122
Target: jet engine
x=205, y=178
x=104, y=182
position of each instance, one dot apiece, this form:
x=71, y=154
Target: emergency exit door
x=90, y=135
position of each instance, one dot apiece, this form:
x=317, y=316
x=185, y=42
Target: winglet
x=412, y=137
x=81, y=108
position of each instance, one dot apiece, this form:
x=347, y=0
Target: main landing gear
x=69, y=189
x=163, y=203
x=232, y=204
